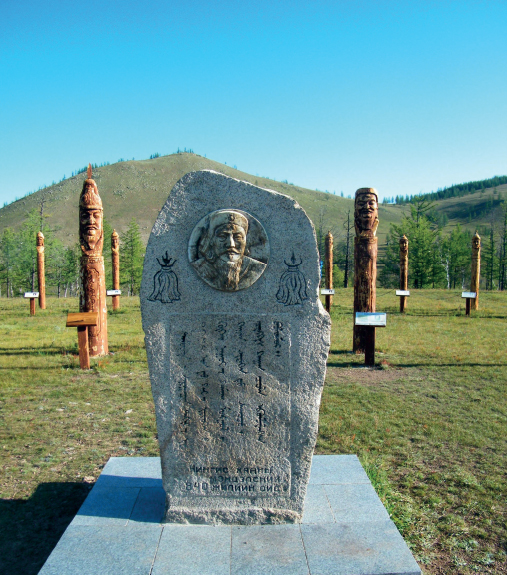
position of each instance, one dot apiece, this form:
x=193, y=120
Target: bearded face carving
x=219, y=252
x=403, y=245
x=91, y=233
x=366, y=212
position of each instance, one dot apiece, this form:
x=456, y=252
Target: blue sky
x=406, y=96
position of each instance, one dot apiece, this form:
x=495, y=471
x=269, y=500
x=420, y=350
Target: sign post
x=32, y=295
x=369, y=321
x=329, y=271
x=115, y=259
x=115, y=293
x=82, y=321
x=403, y=273
x=469, y=296
x=403, y=295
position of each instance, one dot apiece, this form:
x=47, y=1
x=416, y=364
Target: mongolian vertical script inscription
x=226, y=434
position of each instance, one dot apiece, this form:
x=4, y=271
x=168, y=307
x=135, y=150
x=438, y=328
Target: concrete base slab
x=118, y=530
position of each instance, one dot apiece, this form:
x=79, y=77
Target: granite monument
x=237, y=343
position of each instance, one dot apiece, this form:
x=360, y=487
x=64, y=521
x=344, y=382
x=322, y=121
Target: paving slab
x=107, y=506
x=268, y=549
x=149, y=506
x=118, y=530
x=104, y=550
x=200, y=549
x=333, y=469
x=317, y=506
x=358, y=502
x=361, y=548
x=120, y=472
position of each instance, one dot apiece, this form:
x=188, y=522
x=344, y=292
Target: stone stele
x=237, y=342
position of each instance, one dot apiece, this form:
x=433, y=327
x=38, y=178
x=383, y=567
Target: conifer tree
x=131, y=257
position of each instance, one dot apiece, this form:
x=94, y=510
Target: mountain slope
x=140, y=188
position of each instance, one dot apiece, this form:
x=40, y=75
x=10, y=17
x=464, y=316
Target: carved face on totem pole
x=91, y=233
x=115, y=242
x=403, y=245
x=366, y=212
x=40, y=240
x=476, y=242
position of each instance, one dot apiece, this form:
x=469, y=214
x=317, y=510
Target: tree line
x=18, y=259
x=439, y=260
x=436, y=259
x=455, y=191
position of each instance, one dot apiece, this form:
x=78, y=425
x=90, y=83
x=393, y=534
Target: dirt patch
x=365, y=375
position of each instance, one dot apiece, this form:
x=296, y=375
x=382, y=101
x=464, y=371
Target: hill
x=140, y=188
x=475, y=210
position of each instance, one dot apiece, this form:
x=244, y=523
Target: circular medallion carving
x=229, y=249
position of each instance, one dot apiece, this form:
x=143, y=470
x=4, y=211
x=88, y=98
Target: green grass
x=429, y=423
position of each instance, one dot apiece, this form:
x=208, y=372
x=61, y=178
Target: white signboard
x=404, y=292
x=372, y=319
x=113, y=292
x=31, y=294
x=469, y=294
x=326, y=291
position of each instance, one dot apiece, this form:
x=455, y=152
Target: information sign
x=371, y=319
x=326, y=291
x=404, y=292
x=31, y=294
x=469, y=294
x=113, y=292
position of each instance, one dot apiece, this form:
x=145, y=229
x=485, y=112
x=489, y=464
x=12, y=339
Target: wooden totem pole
x=329, y=270
x=115, y=257
x=476, y=269
x=403, y=271
x=93, y=280
x=41, y=277
x=365, y=262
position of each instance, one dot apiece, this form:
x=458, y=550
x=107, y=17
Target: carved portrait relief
x=90, y=219
x=115, y=242
x=366, y=212
x=404, y=244
x=229, y=250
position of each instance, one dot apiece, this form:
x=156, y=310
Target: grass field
x=429, y=424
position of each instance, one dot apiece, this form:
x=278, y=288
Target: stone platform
x=118, y=531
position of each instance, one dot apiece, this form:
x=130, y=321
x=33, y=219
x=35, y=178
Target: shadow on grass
x=34, y=351
x=351, y=364
x=30, y=529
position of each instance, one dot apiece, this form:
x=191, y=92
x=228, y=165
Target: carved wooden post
x=41, y=277
x=476, y=269
x=365, y=262
x=115, y=257
x=93, y=281
x=403, y=271
x=329, y=270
